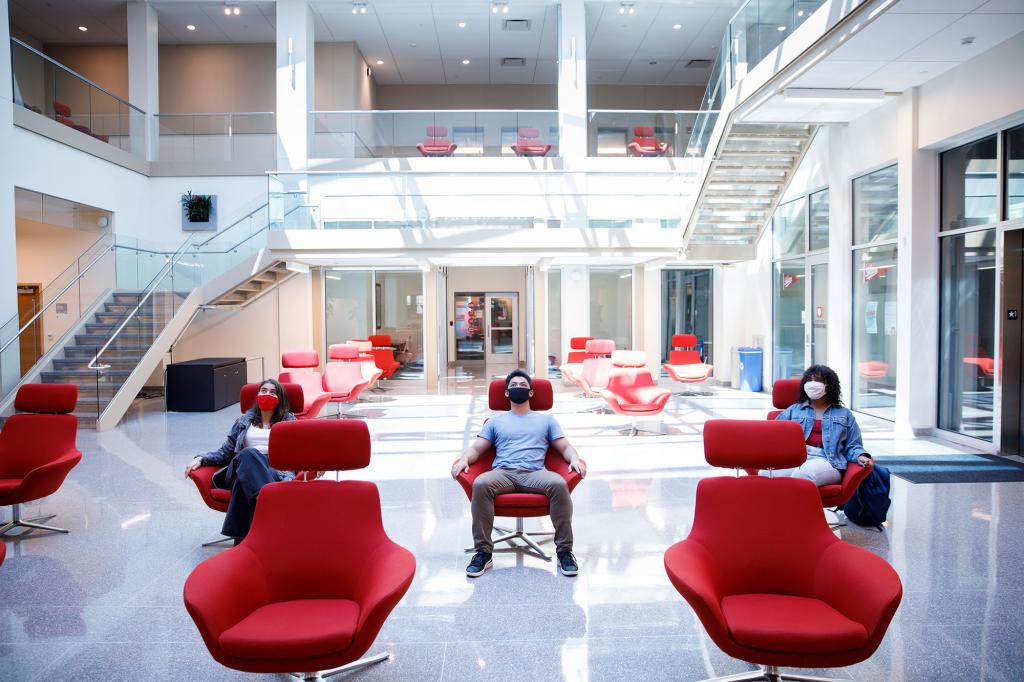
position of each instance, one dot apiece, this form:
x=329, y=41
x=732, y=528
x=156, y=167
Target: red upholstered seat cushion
x=303, y=628
x=9, y=485
x=830, y=490
x=220, y=494
x=521, y=500
x=775, y=622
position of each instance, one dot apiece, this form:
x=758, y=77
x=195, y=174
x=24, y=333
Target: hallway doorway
x=486, y=320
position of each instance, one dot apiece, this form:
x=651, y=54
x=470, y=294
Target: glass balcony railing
x=50, y=89
x=238, y=136
x=640, y=133
x=403, y=134
x=759, y=27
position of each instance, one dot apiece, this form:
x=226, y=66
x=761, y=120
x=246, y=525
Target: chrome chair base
x=635, y=429
x=771, y=673
x=531, y=548
x=37, y=523
x=347, y=668
x=223, y=538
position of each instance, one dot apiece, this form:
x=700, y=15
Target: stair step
x=126, y=337
x=118, y=317
x=70, y=376
x=74, y=351
x=72, y=364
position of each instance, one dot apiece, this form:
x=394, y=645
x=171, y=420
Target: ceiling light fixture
x=501, y=6
x=380, y=62
x=465, y=62
x=358, y=7
x=781, y=28
x=462, y=24
x=627, y=8
x=835, y=95
x=230, y=9
x=191, y=27
x=82, y=28
x=676, y=27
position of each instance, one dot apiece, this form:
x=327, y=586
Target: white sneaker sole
x=483, y=570
x=568, y=574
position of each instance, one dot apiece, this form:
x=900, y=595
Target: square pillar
x=8, y=259
x=572, y=80
x=294, y=83
x=575, y=303
x=540, y=322
x=434, y=327
x=839, y=310
x=143, y=79
x=649, y=321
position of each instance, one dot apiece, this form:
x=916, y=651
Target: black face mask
x=518, y=394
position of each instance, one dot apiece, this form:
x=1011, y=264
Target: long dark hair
x=280, y=412
x=827, y=376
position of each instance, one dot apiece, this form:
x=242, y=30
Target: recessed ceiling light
x=800, y=13
x=380, y=62
x=82, y=28
x=191, y=27
x=358, y=7
x=627, y=8
x=781, y=28
x=499, y=6
x=462, y=24
x=963, y=41
x=232, y=9
x=236, y=11
x=465, y=61
x=676, y=27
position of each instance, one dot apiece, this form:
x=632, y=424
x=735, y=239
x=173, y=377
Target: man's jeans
x=498, y=481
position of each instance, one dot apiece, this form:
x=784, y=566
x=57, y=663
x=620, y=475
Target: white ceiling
x=911, y=43
x=420, y=42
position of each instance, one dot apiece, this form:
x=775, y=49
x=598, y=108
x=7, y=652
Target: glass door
x=502, y=333
x=817, y=332
x=469, y=326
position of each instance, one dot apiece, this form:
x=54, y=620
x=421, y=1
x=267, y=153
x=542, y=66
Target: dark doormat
x=962, y=468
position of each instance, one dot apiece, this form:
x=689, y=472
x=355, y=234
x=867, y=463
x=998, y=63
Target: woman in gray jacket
x=245, y=467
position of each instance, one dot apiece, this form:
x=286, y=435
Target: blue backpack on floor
x=870, y=502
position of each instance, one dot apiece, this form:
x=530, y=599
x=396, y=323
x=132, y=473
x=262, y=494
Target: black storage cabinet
x=205, y=384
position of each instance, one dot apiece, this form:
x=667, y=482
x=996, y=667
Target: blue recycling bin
x=751, y=360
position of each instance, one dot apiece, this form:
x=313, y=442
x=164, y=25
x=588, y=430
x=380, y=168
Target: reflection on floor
x=105, y=601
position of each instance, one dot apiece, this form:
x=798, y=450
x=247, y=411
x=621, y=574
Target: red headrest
x=543, y=397
x=785, y=392
x=684, y=340
x=437, y=131
x=320, y=445
x=629, y=358
x=600, y=346
x=300, y=359
x=380, y=340
x=643, y=131
x=46, y=398
x=342, y=351
x=61, y=109
x=247, y=396
x=579, y=342
x=529, y=133
x=754, y=444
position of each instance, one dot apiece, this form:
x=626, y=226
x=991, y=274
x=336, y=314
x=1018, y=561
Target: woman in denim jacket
x=830, y=430
x=245, y=466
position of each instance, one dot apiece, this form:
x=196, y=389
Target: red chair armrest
x=387, y=574
x=225, y=589
x=691, y=570
x=859, y=584
x=46, y=479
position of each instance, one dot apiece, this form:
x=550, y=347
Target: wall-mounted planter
x=199, y=225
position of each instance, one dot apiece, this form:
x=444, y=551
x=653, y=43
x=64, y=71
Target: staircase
x=746, y=179
x=71, y=363
x=252, y=287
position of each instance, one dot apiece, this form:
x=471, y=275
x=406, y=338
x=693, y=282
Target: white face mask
x=814, y=390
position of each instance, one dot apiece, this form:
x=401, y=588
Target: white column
x=575, y=303
x=295, y=47
x=8, y=258
x=572, y=80
x=540, y=322
x=143, y=78
x=651, y=304
x=839, y=310
x=917, y=293
x=433, y=319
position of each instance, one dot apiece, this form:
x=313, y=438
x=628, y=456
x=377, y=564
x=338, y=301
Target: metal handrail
x=247, y=215
x=645, y=111
x=435, y=111
x=75, y=74
x=169, y=266
x=56, y=298
x=217, y=113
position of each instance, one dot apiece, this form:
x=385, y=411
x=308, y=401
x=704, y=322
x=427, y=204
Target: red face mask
x=266, y=401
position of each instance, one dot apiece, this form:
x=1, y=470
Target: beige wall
x=467, y=97
x=341, y=79
x=643, y=97
x=105, y=65
x=213, y=78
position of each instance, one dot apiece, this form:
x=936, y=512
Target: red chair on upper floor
x=437, y=142
x=344, y=377
x=520, y=505
x=529, y=143
x=311, y=381
x=782, y=593
x=786, y=392
x=684, y=362
x=295, y=596
x=593, y=377
x=37, y=450
x=645, y=143
x=384, y=355
x=574, y=360
x=62, y=114
x=631, y=390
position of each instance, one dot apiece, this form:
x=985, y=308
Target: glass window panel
x=789, y=319
x=874, y=206
x=469, y=326
x=400, y=315
x=555, y=355
x=687, y=308
x=788, y=227
x=1015, y=173
x=611, y=305
x=819, y=220
x=349, y=302
x=874, y=331
x=967, y=328
x=969, y=185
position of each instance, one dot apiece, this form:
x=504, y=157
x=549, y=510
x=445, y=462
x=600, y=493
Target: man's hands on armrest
x=568, y=452
x=472, y=454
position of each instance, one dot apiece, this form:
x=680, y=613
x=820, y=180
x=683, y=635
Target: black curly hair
x=827, y=376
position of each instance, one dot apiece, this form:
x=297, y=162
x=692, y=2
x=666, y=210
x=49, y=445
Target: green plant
x=197, y=207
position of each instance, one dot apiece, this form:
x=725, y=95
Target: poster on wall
x=871, y=317
x=890, y=318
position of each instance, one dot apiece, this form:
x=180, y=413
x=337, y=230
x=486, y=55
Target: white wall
x=341, y=79
x=482, y=280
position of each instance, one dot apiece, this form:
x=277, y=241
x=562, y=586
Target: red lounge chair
x=311, y=381
x=684, y=364
x=437, y=142
x=344, y=379
x=529, y=143
x=384, y=355
x=574, y=360
x=785, y=593
x=631, y=390
x=593, y=378
x=645, y=143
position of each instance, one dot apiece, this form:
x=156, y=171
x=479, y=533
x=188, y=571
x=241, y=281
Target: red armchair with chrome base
x=631, y=390
x=311, y=381
x=684, y=363
x=593, y=377
x=529, y=143
x=344, y=378
x=520, y=505
x=782, y=593
x=37, y=450
x=437, y=142
x=574, y=360
x=645, y=143
x=295, y=596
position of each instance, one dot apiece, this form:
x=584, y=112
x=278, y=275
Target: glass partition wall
x=687, y=308
x=359, y=303
x=611, y=305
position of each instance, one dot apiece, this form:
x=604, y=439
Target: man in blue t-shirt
x=521, y=439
